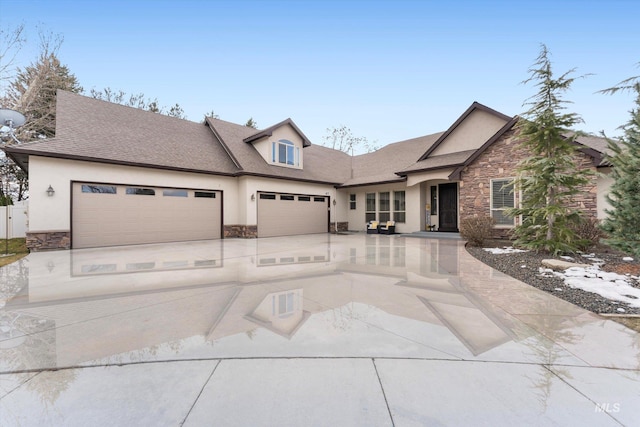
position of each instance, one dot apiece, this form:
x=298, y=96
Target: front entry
x=448, y=209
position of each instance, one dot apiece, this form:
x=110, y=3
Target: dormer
x=281, y=144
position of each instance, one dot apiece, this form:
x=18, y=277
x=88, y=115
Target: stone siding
x=500, y=161
x=48, y=240
x=242, y=231
x=342, y=226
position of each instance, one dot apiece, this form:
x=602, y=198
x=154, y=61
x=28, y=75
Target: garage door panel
x=281, y=216
x=121, y=218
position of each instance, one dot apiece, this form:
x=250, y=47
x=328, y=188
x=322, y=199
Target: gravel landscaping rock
x=526, y=267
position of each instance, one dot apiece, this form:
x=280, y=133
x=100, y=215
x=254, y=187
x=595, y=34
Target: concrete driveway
x=334, y=330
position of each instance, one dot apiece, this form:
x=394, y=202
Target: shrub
x=588, y=232
x=476, y=229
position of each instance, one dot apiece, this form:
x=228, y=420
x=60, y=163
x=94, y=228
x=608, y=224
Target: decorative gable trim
x=462, y=118
x=269, y=131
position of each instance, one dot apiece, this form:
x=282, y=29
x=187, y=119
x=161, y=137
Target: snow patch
x=505, y=250
x=627, y=258
x=611, y=286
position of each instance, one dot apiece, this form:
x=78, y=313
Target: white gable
x=283, y=135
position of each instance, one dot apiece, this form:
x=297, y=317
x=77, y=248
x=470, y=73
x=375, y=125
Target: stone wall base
x=342, y=226
x=48, y=240
x=242, y=231
x=502, y=233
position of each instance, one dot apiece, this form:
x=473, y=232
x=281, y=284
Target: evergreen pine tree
x=548, y=178
x=622, y=223
x=33, y=93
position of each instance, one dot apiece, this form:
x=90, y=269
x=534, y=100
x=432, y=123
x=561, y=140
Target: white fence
x=17, y=220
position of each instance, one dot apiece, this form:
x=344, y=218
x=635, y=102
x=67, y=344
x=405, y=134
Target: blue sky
x=389, y=70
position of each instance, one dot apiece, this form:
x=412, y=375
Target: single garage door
x=109, y=215
x=291, y=214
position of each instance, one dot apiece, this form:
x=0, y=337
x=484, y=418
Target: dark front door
x=448, y=213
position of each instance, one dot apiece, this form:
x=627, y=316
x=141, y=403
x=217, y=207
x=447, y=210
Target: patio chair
x=388, y=228
x=372, y=227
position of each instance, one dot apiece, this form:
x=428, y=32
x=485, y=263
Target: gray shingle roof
x=382, y=165
x=94, y=130
x=439, y=162
x=321, y=164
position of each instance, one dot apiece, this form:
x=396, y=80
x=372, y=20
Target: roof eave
x=120, y=162
x=364, y=184
x=269, y=132
x=433, y=168
x=287, y=178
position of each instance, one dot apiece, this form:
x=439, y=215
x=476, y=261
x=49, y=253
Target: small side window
x=286, y=197
x=319, y=199
x=268, y=196
x=205, y=194
x=101, y=189
x=175, y=193
x=304, y=198
x=352, y=202
x=141, y=191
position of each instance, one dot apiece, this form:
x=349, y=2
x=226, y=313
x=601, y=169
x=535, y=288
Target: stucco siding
x=474, y=131
x=413, y=208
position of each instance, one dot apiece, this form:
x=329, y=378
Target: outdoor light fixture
x=334, y=202
x=50, y=191
x=253, y=197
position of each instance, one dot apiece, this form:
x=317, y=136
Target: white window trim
x=295, y=154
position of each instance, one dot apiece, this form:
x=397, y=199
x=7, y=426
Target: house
x=117, y=175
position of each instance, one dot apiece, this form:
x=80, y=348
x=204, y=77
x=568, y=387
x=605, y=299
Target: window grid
x=502, y=198
x=370, y=207
x=399, y=206
x=352, y=202
x=385, y=211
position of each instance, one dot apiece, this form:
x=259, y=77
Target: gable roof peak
x=269, y=131
x=473, y=107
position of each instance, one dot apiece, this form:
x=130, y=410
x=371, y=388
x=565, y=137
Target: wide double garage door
x=291, y=214
x=109, y=215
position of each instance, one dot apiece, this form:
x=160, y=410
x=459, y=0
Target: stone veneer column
x=242, y=231
x=48, y=240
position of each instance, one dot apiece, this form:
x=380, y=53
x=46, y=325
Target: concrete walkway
x=333, y=330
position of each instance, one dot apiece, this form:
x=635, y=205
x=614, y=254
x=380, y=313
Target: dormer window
x=285, y=152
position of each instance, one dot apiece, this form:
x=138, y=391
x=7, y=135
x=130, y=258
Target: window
x=268, y=196
x=304, y=198
x=319, y=199
x=174, y=193
x=370, y=212
x=502, y=198
x=284, y=304
x=286, y=197
x=141, y=191
x=204, y=194
x=398, y=206
x=385, y=206
x=434, y=200
x=352, y=201
x=283, y=151
x=102, y=189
